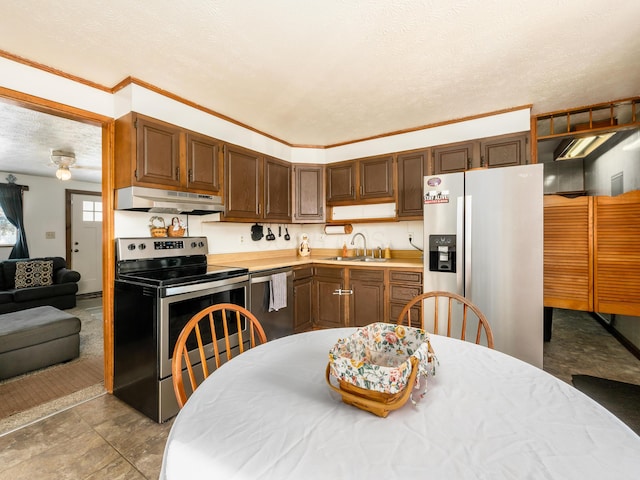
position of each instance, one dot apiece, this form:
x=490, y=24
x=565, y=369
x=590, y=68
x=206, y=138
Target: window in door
x=91, y=211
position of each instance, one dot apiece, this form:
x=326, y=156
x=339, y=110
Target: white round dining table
x=269, y=414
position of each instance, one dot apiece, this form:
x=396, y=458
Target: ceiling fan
x=63, y=160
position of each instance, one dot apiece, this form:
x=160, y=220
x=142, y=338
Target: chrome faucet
x=353, y=239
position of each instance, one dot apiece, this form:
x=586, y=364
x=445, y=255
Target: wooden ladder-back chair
x=414, y=314
x=217, y=321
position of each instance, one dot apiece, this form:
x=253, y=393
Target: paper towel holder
x=333, y=229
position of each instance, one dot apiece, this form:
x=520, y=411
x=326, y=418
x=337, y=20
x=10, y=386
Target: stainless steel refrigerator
x=483, y=239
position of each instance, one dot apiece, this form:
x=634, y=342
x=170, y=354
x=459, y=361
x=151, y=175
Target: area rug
x=35, y=395
x=49, y=384
x=621, y=399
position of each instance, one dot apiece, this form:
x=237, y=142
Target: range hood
x=581, y=147
x=156, y=200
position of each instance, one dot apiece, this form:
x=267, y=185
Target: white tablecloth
x=269, y=414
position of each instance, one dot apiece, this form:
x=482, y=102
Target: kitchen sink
x=357, y=259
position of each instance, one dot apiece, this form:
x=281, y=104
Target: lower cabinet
x=302, y=298
x=403, y=286
x=366, y=301
x=328, y=303
x=331, y=296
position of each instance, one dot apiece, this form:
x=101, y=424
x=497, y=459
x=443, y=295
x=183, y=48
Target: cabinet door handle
x=340, y=291
x=178, y=173
x=259, y=209
x=361, y=190
x=190, y=175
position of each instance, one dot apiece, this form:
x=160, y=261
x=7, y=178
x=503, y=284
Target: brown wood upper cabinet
x=453, y=158
x=204, y=170
x=257, y=187
x=367, y=180
x=277, y=190
x=412, y=167
x=501, y=151
x=153, y=153
x=308, y=194
x=504, y=151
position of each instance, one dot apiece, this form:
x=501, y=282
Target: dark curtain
x=11, y=203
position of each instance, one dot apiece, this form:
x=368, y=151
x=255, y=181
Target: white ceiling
x=324, y=72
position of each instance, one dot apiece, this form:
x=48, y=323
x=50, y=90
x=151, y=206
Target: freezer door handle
x=467, y=247
x=460, y=241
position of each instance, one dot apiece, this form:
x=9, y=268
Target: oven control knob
x=131, y=246
x=201, y=244
x=142, y=246
x=194, y=244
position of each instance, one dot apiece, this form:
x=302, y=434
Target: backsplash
x=226, y=237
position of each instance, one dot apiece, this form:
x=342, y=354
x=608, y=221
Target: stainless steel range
x=160, y=284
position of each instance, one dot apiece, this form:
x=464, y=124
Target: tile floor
x=105, y=439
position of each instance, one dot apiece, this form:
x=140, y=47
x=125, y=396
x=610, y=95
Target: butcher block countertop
x=257, y=261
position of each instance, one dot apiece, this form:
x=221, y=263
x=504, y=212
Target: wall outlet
x=241, y=238
x=410, y=236
x=49, y=235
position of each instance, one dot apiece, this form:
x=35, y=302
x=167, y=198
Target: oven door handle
x=202, y=287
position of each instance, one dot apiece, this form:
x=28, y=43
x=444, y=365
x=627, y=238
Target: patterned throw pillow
x=38, y=273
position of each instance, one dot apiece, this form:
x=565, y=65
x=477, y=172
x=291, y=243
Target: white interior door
x=86, y=240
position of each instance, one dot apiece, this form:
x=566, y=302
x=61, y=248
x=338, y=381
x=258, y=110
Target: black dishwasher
x=278, y=323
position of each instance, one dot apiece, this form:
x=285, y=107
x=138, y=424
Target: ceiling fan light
x=63, y=173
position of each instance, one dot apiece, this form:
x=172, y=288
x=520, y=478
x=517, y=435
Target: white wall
x=141, y=100
x=44, y=211
x=625, y=158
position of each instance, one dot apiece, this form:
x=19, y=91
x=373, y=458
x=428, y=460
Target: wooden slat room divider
x=617, y=254
x=568, y=252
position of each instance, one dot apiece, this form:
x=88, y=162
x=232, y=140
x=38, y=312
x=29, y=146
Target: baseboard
x=81, y=296
x=626, y=343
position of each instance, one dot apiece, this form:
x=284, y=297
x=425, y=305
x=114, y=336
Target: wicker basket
x=175, y=229
x=378, y=403
x=155, y=228
x=376, y=398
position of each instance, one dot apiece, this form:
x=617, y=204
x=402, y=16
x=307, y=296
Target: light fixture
x=581, y=147
x=63, y=160
x=63, y=173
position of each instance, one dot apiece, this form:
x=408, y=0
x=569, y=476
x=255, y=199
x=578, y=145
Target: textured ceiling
x=325, y=72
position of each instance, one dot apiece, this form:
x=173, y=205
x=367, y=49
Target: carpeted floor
x=620, y=398
x=35, y=395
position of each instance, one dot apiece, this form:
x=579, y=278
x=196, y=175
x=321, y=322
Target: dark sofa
x=61, y=293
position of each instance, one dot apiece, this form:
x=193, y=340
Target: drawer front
x=401, y=276
x=329, y=272
x=404, y=293
x=366, y=275
x=396, y=308
x=302, y=272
